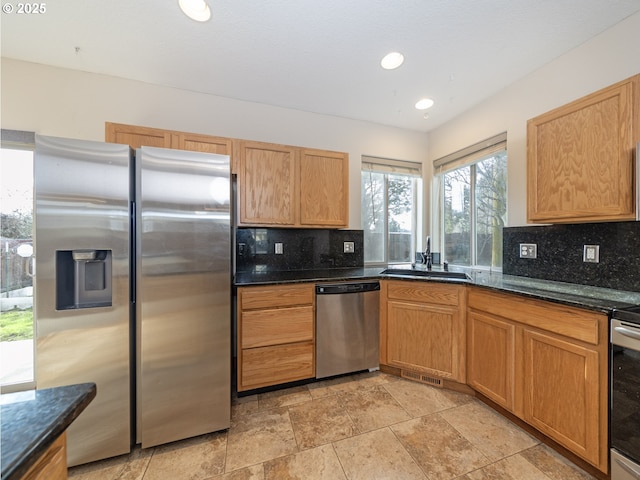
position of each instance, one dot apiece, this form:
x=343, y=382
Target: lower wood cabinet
x=276, y=334
x=491, y=357
x=561, y=392
x=52, y=464
x=546, y=363
x=423, y=328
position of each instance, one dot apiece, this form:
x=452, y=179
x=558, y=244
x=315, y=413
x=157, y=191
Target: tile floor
x=366, y=426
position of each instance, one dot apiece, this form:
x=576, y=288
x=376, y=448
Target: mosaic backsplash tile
x=560, y=254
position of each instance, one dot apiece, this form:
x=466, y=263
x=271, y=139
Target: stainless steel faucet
x=426, y=256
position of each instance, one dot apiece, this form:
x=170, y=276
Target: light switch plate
x=349, y=247
x=591, y=254
x=278, y=248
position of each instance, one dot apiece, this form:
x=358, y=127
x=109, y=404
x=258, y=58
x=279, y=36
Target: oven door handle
x=627, y=332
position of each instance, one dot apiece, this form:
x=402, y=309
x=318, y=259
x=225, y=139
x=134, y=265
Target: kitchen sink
x=426, y=273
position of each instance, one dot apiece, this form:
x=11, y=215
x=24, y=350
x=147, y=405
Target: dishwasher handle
x=342, y=288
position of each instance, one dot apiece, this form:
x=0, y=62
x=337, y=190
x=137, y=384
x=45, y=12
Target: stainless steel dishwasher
x=347, y=327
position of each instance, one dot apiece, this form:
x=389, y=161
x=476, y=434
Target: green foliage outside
x=16, y=325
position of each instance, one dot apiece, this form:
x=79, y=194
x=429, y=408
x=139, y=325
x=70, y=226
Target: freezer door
x=82, y=286
x=183, y=295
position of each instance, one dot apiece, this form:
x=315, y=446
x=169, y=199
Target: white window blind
x=387, y=165
x=471, y=154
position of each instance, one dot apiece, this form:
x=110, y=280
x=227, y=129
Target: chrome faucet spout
x=426, y=256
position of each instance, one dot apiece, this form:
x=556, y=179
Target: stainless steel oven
x=625, y=394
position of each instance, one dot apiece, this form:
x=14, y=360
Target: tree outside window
x=475, y=207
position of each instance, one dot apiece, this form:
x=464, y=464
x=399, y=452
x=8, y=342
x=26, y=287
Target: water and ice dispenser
x=83, y=279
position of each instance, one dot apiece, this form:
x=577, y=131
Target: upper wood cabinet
x=137, y=137
x=266, y=184
x=278, y=185
x=324, y=188
x=286, y=186
x=580, y=158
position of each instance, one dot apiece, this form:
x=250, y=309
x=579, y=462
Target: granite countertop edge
x=31, y=425
x=571, y=294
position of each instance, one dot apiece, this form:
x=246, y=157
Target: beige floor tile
x=438, y=448
x=510, y=468
x=320, y=421
x=487, y=430
x=373, y=408
x=554, y=465
x=376, y=455
x=244, y=405
x=320, y=463
x=349, y=383
x=254, y=472
x=283, y=398
x=259, y=437
x=123, y=467
x=419, y=399
x=196, y=458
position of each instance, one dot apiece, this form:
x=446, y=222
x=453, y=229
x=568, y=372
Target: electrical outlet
x=349, y=247
x=278, y=248
x=528, y=250
x=591, y=254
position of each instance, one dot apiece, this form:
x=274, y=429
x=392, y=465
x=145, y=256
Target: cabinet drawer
x=575, y=323
x=276, y=296
x=279, y=364
x=427, y=292
x=261, y=328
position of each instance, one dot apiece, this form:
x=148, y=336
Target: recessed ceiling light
x=424, y=104
x=197, y=10
x=392, y=60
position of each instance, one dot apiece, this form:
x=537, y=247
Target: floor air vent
x=419, y=377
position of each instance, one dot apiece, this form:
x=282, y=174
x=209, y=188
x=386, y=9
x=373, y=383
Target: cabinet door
x=137, y=137
x=266, y=184
x=491, y=357
x=423, y=338
x=561, y=396
x=580, y=157
x=324, y=188
x=202, y=143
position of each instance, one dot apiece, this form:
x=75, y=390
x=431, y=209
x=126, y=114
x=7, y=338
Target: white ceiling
x=317, y=55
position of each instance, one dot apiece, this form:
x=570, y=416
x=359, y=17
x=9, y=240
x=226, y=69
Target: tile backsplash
x=302, y=249
x=560, y=253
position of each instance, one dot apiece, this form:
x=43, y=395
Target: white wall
x=69, y=103
x=606, y=59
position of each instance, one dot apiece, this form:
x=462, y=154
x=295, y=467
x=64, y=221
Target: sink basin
x=426, y=273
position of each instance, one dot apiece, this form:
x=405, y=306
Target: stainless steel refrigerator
x=132, y=290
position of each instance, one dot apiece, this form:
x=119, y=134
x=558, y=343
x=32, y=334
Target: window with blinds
x=391, y=194
x=470, y=203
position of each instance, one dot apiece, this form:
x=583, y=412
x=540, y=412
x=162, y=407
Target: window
x=473, y=203
x=16, y=276
x=391, y=192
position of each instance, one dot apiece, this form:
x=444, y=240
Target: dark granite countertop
x=32, y=420
x=585, y=296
